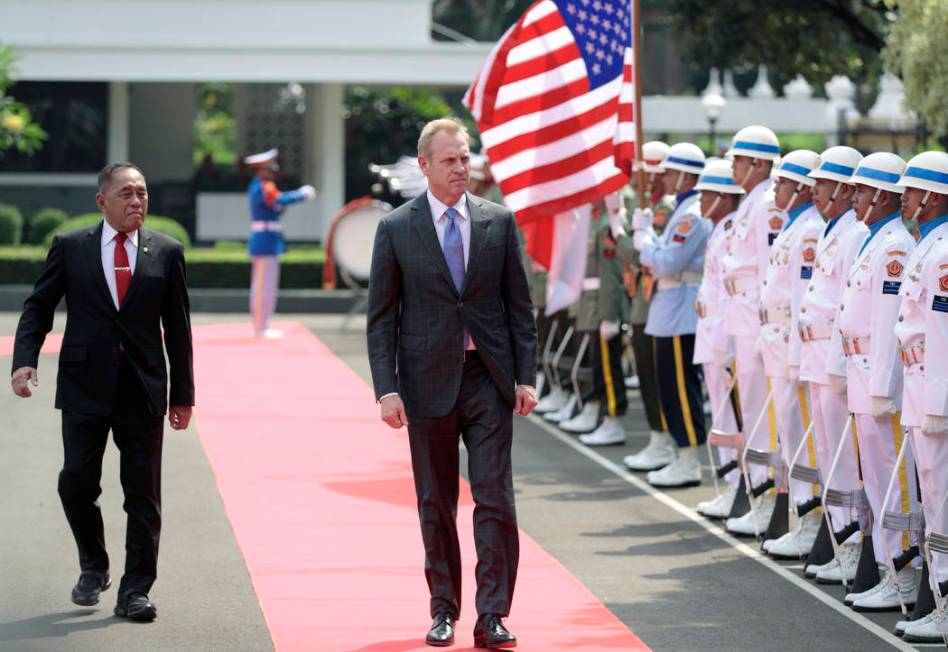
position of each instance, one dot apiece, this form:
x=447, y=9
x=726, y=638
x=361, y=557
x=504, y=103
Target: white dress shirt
x=108, y=256
x=438, y=211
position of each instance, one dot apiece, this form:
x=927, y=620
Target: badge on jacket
x=943, y=283
x=894, y=268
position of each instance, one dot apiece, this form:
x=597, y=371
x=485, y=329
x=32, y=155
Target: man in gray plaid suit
x=452, y=346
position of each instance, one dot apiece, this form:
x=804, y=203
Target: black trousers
x=610, y=380
x=643, y=348
x=679, y=389
x=485, y=424
x=138, y=436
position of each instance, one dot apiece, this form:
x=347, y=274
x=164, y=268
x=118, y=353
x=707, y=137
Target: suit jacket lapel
x=93, y=246
x=479, y=224
x=143, y=260
x=423, y=224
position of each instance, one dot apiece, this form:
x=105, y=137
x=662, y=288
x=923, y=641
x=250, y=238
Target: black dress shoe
x=490, y=632
x=91, y=583
x=441, y=633
x=135, y=606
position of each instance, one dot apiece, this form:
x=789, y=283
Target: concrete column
x=118, y=121
x=326, y=149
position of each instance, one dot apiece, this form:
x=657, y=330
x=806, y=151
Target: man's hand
x=393, y=411
x=642, y=219
x=617, y=223
x=308, y=192
x=21, y=379
x=934, y=426
x=179, y=416
x=526, y=400
x=881, y=406
x=609, y=329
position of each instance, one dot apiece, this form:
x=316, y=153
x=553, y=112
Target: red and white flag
x=555, y=107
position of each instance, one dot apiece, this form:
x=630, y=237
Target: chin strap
x=921, y=206
x=717, y=200
x=872, y=205
x=793, y=198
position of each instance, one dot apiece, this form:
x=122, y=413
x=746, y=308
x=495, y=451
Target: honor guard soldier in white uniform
x=820, y=351
x=747, y=256
x=867, y=317
x=791, y=267
x=922, y=331
x=720, y=196
x=676, y=259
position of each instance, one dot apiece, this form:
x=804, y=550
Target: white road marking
x=721, y=534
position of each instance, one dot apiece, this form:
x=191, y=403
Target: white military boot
x=905, y=583
x=632, y=382
x=552, y=402
x=763, y=510
x=931, y=629
x=843, y=568
x=798, y=543
x=565, y=412
x=585, y=421
x=720, y=506
x=850, y=598
x=683, y=472
x=609, y=433
x=660, y=452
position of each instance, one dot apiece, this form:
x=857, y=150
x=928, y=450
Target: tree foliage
x=813, y=38
x=916, y=52
x=17, y=129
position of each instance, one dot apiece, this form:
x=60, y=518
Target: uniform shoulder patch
x=943, y=283
x=685, y=225
x=894, y=268
x=809, y=254
x=776, y=223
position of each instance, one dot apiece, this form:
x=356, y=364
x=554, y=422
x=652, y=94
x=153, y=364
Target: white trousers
x=931, y=459
x=879, y=443
x=752, y=389
x=793, y=418
x=716, y=377
x=830, y=414
x=264, y=283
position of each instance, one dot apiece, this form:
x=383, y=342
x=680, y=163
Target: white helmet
x=718, y=176
x=881, y=170
x=755, y=141
x=837, y=164
x=686, y=157
x=927, y=171
x=797, y=166
x=653, y=152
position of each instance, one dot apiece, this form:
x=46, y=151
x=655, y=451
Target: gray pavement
x=676, y=585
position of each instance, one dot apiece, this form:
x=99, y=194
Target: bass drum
x=350, y=240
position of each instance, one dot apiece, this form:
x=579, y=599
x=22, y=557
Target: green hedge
x=11, y=225
x=44, y=222
x=301, y=268
x=160, y=224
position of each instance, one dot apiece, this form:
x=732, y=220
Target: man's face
x=823, y=195
x=656, y=183
x=741, y=166
x=911, y=200
x=124, y=200
x=708, y=199
x=448, y=166
x=670, y=181
x=783, y=192
x=862, y=199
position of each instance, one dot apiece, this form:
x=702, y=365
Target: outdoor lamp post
x=712, y=102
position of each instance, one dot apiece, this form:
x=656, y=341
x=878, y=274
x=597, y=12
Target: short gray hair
x=105, y=175
x=450, y=125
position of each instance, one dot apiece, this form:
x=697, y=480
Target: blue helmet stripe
x=878, y=175
x=756, y=147
x=845, y=170
x=793, y=167
x=925, y=173
x=684, y=161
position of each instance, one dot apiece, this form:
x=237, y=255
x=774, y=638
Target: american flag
x=555, y=106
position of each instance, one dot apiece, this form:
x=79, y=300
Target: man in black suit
x=452, y=346
x=123, y=284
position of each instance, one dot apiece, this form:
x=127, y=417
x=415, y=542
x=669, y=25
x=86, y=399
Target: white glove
x=614, y=202
x=617, y=223
x=643, y=238
x=642, y=218
x=934, y=426
x=837, y=383
x=308, y=192
x=881, y=406
x=608, y=329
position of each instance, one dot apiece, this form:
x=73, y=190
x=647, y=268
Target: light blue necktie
x=454, y=256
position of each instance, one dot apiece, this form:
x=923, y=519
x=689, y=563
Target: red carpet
x=321, y=499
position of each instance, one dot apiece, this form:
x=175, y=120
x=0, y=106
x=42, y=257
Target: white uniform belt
x=912, y=354
x=266, y=225
x=672, y=282
x=737, y=285
x=813, y=332
x=855, y=345
x=591, y=284
x=704, y=310
x=774, y=315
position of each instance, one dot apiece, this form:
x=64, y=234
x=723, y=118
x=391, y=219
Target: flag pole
x=637, y=50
